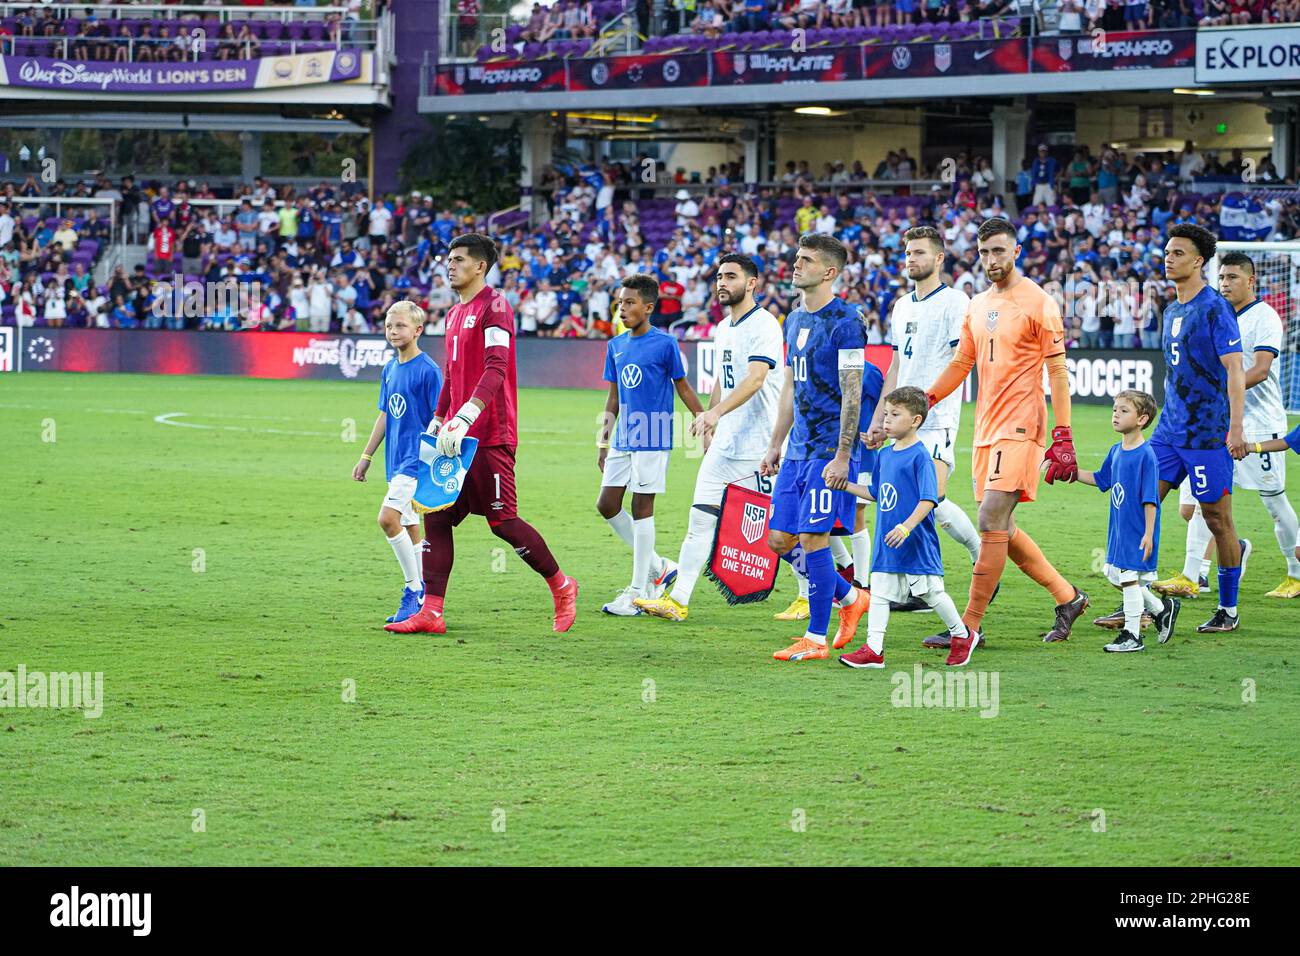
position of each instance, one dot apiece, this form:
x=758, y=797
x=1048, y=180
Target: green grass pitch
x=230, y=582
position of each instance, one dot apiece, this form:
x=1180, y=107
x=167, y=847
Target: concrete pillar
x=751, y=137
x=1283, y=122
x=250, y=155
x=1009, y=124
x=537, y=144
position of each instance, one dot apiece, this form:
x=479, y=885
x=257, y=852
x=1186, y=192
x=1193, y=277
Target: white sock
x=861, y=542
x=1133, y=610
x=622, y=525
x=1205, y=568
x=954, y=521
x=694, y=554
x=1286, y=527
x=404, y=548
x=803, y=583
x=643, y=552
x=877, y=622
x=1198, y=538
x=1150, y=601
x=840, y=551
x=817, y=638
x=941, y=601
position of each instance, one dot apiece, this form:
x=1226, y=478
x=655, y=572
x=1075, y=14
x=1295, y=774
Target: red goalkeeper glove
x=1060, y=457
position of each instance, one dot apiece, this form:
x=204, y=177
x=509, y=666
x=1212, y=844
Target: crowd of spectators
x=328, y=261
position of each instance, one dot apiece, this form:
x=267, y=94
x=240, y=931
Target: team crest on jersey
x=726, y=356
x=911, y=329
x=469, y=322
x=992, y=321
x=802, y=339
x=1177, y=326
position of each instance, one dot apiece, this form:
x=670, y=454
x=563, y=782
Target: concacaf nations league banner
x=630, y=72
x=95, y=76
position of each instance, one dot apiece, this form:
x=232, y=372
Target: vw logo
x=630, y=376
x=901, y=57
x=396, y=405
x=1117, y=496
x=888, y=497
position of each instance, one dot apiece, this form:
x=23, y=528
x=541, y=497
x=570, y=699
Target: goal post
x=1277, y=271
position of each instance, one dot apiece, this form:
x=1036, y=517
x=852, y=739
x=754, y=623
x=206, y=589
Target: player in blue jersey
x=908, y=561
x=821, y=414
x=643, y=367
x=408, y=397
x=1131, y=474
x=1200, y=429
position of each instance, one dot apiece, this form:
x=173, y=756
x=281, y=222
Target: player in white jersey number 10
x=924, y=330
x=736, y=426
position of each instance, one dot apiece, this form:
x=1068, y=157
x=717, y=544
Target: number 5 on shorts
x=1199, y=479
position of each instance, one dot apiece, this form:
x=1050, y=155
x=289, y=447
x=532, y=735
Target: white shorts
x=1264, y=473
x=400, y=491
x=718, y=471
x=1120, y=578
x=641, y=472
x=941, y=443
x=892, y=586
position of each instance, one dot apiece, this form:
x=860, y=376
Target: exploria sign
x=1248, y=54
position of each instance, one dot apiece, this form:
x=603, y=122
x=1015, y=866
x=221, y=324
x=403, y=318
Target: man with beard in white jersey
x=1264, y=418
x=740, y=418
x=924, y=330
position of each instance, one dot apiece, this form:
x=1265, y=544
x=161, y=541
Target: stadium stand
x=324, y=260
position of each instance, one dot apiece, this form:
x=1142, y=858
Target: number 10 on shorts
x=820, y=501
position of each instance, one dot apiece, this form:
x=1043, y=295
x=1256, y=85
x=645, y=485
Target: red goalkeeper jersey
x=475, y=329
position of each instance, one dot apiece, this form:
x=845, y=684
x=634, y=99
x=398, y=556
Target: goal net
x=1277, y=268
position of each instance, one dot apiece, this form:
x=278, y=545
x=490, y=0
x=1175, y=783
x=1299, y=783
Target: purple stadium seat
x=316, y=30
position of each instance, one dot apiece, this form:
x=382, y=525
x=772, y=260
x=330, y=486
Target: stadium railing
x=277, y=30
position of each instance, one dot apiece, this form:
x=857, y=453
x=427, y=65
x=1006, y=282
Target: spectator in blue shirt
x=1044, y=171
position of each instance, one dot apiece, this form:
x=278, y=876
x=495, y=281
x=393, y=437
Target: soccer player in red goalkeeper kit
x=479, y=400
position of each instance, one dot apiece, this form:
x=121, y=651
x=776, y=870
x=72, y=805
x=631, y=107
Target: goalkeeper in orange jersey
x=1011, y=329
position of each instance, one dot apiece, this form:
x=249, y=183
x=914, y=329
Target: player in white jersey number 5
x=924, y=330
x=1264, y=418
x=740, y=418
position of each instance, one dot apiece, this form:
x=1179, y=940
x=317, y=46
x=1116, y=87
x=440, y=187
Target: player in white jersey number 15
x=924, y=330
x=737, y=425
x=1264, y=418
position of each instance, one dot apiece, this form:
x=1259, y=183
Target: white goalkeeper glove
x=455, y=428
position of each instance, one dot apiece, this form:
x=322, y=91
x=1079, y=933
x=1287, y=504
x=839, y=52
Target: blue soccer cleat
x=411, y=602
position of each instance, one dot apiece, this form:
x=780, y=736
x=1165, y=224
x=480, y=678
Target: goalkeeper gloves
x=1060, y=457
x=455, y=428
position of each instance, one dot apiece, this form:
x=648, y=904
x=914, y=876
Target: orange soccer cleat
x=850, y=615
x=566, y=605
x=423, y=621
x=802, y=650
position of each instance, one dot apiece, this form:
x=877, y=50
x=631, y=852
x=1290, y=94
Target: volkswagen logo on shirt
x=396, y=405
x=630, y=376
x=888, y=497
x=1117, y=496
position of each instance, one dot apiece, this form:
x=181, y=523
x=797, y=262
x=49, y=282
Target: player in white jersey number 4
x=739, y=419
x=924, y=330
x=1264, y=418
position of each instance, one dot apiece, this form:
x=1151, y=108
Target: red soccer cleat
x=863, y=657
x=962, y=648
x=566, y=605
x=846, y=573
x=422, y=621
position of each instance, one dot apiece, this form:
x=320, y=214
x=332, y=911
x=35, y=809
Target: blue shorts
x=1210, y=470
x=801, y=502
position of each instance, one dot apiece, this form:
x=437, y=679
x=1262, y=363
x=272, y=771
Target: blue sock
x=1229, y=578
x=821, y=589
x=842, y=587
x=797, y=559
